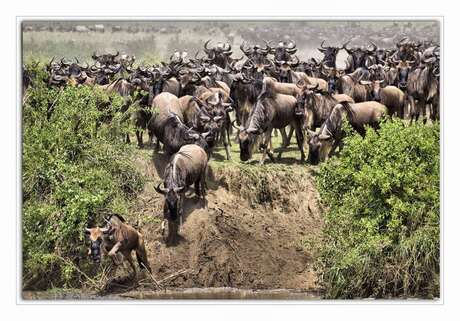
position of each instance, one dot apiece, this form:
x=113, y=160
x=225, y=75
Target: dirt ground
x=236, y=241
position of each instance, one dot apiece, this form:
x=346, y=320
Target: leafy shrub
x=72, y=174
x=381, y=236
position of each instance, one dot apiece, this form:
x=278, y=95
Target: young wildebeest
x=117, y=237
x=390, y=96
x=272, y=110
x=188, y=166
x=331, y=134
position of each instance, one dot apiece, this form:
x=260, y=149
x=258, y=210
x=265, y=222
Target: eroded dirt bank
x=254, y=234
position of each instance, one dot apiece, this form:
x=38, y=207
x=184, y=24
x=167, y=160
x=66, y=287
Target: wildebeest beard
x=258, y=118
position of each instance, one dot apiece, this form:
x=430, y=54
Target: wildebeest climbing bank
x=225, y=159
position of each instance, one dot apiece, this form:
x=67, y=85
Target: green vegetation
x=72, y=175
x=381, y=235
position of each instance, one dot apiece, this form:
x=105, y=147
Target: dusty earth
x=247, y=237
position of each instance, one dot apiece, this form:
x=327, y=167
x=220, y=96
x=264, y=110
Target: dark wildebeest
x=359, y=57
x=117, y=237
x=271, y=110
x=330, y=135
x=390, y=96
x=106, y=59
x=167, y=124
x=283, y=51
x=330, y=54
x=219, y=54
x=423, y=88
x=188, y=166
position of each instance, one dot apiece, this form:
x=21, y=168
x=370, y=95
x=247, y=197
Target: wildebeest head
x=283, y=51
x=105, y=59
x=375, y=88
x=187, y=76
x=284, y=69
x=172, y=197
x=330, y=54
x=404, y=68
x=257, y=123
x=316, y=145
x=96, y=235
x=219, y=54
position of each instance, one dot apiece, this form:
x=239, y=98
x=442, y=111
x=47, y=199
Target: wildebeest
x=330, y=54
x=330, y=135
x=167, y=124
x=117, y=237
x=315, y=106
x=390, y=96
x=271, y=110
x=188, y=166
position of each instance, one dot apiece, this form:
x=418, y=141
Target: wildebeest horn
x=161, y=190
x=233, y=124
x=310, y=132
x=206, y=45
x=374, y=46
x=324, y=136
x=64, y=62
x=400, y=42
x=291, y=45
x=344, y=46
x=116, y=54
x=246, y=51
x=227, y=47
x=322, y=44
x=87, y=230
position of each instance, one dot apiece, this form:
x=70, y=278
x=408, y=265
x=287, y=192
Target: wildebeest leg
x=412, y=109
x=128, y=140
x=226, y=141
x=291, y=131
x=129, y=258
x=284, y=138
x=265, y=146
x=300, y=140
x=140, y=141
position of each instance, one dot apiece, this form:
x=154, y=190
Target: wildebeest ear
x=324, y=137
x=310, y=132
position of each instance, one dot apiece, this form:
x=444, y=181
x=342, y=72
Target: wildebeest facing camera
x=229, y=160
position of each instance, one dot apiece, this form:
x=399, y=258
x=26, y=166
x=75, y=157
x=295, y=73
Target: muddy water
x=179, y=294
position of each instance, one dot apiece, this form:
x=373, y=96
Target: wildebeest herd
x=191, y=104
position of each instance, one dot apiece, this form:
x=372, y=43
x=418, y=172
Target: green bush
x=72, y=174
x=381, y=235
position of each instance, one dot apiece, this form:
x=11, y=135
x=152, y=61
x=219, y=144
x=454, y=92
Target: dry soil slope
x=235, y=241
